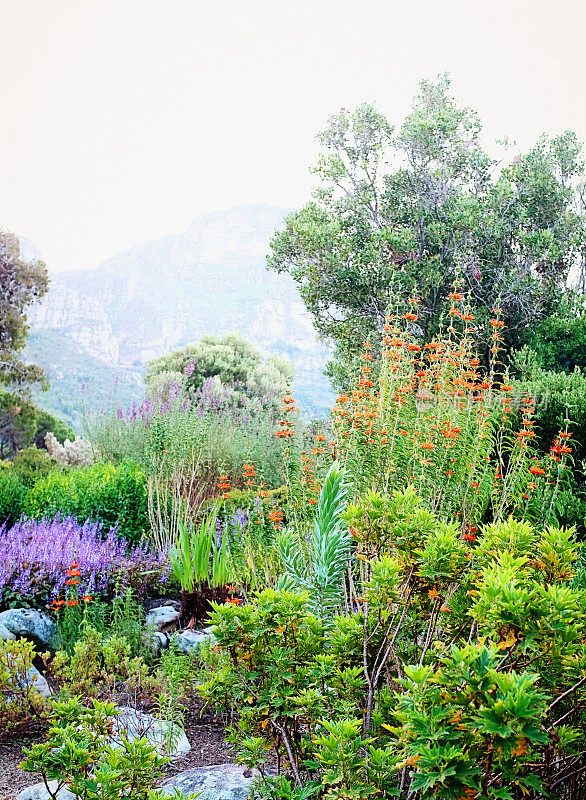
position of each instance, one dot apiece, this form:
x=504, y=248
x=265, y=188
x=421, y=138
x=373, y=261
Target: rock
x=39, y=682
x=39, y=792
x=158, y=640
x=31, y=623
x=5, y=634
x=163, y=618
x=136, y=724
x=189, y=642
x=219, y=782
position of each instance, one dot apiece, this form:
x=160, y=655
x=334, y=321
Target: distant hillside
x=163, y=294
x=78, y=381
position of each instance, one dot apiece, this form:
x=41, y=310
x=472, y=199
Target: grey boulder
x=162, y=618
x=5, y=634
x=134, y=724
x=30, y=623
x=219, y=782
x=39, y=792
x=189, y=642
x=39, y=682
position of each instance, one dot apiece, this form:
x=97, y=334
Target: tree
x=230, y=367
x=407, y=214
x=21, y=284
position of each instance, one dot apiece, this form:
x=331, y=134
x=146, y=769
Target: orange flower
x=535, y=470
x=427, y=446
x=72, y=603
x=71, y=583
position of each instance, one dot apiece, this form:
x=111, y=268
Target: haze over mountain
x=163, y=294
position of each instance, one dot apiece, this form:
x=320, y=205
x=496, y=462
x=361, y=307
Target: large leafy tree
x=229, y=366
x=21, y=284
x=406, y=213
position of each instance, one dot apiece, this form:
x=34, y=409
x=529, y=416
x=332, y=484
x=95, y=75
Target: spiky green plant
x=318, y=567
x=196, y=558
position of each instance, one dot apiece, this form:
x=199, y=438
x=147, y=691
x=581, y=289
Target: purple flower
x=35, y=555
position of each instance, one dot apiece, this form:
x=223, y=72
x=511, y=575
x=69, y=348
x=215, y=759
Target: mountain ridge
x=165, y=293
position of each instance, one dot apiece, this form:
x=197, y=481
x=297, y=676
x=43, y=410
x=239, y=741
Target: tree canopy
x=408, y=212
x=229, y=365
x=21, y=284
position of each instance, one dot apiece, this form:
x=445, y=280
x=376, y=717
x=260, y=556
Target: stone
x=134, y=724
x=39, y=682
x=218, y=782
x=189, y=642
x=158, y=640
x=39, y=792
x=162, y=618
x=30, y=623
x=5, y=634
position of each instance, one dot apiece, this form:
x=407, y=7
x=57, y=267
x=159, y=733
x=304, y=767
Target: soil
x=204, y=731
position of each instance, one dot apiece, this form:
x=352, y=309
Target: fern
x=330, y=546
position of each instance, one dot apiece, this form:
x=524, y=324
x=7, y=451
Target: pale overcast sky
x=124, y=119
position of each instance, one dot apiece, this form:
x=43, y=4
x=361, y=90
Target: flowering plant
x=35, y=557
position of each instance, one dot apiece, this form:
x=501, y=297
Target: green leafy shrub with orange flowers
x=453, y=667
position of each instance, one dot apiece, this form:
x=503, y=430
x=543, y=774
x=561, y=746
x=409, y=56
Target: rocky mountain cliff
x=163, y=294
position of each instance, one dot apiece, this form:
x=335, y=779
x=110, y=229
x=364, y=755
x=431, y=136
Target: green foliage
x=465, y=726
x=20, y=701
x=18, y=423
x=559, y=342
x=102, y=665
x=78, y=754
x=48, y=423
x=197, y=558
x=456, y=669
x=177, y=673
x=230, y=363
x=403, y=214
x=31, y=465
x=114, y=495
x=318, y=569
x=22, y=283
x=13, y=493
x=277, y=676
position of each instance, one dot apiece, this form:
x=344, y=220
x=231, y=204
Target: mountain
x=164, y=294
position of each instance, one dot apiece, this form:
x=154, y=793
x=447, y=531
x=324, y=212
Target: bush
x=19, y=699
x=31, y=465
x=81, y=757
x=35, y=557
x=455, y=668
x=113, y=495
x=12, y=497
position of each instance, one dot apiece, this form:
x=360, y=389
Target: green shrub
x=19, y=699
x=47, y=423
x=114, y=495
x=79, y=755
x=12, y=496
x=31, y=465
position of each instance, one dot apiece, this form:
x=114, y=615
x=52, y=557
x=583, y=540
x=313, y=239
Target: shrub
x=113, y=495
x=13, y=493
x=19, y=699
x=80, y=756
x=456, y=670
x=35, y=557
x=31, y=465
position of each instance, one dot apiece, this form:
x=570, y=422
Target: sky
x=122, y=120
